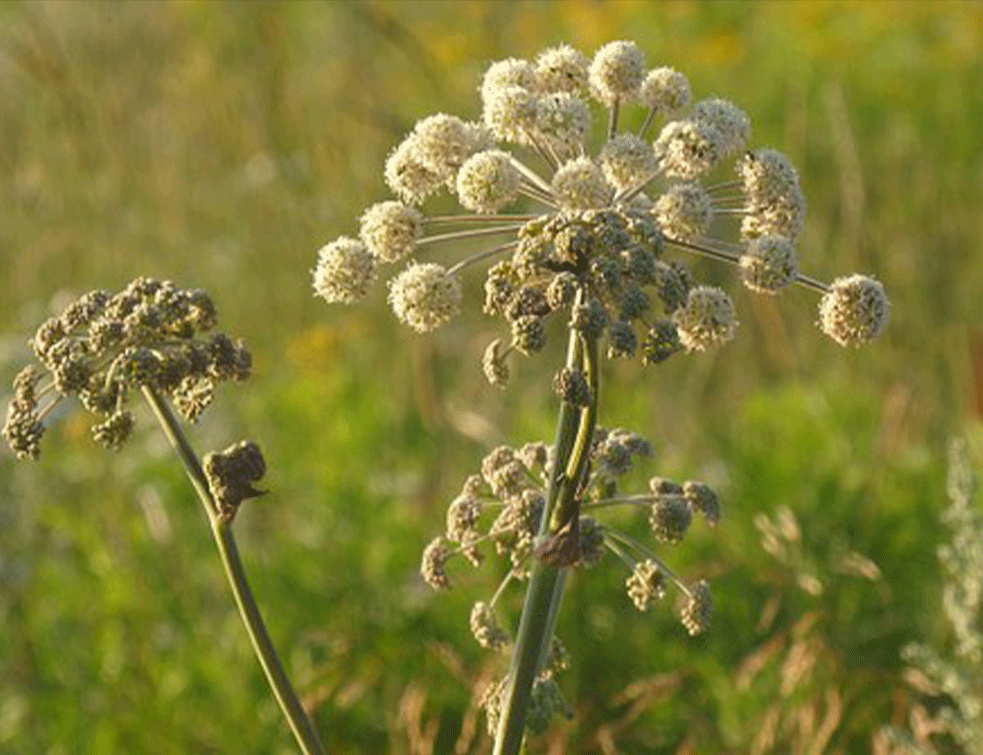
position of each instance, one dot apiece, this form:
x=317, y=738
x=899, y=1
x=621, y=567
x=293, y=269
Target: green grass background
x=220, y=144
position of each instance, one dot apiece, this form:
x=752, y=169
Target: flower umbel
x=604, y=225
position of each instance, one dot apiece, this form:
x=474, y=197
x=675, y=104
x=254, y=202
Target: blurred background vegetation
x=220, y=144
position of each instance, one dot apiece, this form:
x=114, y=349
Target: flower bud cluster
x=104, y=345
x=854, y=310
x=546, y=699
x=502, y=507
x=673, y=506
x=501, y=494
x=603, y=269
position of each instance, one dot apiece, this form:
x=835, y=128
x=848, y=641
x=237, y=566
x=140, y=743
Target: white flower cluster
x=594, y=224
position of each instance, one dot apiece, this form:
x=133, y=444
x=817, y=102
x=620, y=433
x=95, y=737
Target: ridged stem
x=301, y=725
x=546, y=583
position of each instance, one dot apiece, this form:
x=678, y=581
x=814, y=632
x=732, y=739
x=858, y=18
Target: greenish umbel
x=154, y=340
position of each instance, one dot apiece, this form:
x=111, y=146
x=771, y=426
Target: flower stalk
x=300, y=723
x=558, y=526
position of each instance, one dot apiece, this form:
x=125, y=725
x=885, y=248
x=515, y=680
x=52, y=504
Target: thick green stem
x=546, y=583
x=301, y=725
x=568, y=506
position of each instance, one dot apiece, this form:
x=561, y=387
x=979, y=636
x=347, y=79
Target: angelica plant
x=153, y=339
x=590, y=242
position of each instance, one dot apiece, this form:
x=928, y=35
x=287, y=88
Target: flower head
x=688, y=149
x=646, y=583
x=488, y=181
x=593, y=234
x=589, y=238
x=441, y=143
x=512, y=113
x=486, y=629
x=664, y=90
x=390, y=230
x=684, y=211
x=580, y=185
x=408, y=177
x=698, y=609
x=562, y=69
x=707, y=319
x=627, y=160
x=345, y=270
x=775, y=203
x=433, y=567
x=854, y=310
x=769, y=264
x=425, y=296
x=563, y=123
x=511, y=72
x=616, y=72
x=731, y=124
x=151, y=334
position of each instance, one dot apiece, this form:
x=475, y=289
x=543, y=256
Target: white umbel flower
x=425, y=296
x=706, y=320
x=616, y=72
x=562, y=69
x=664, y=90
x=511, y=113
x=345, y=270
x=580, y=185
x=683, y=211
x=390, y=230
x=731, y=123
x=854, y=311
x=511, y=72
x=687, y=149
x=488, y=181
x=408, y=177
x=769, y=264
x=627, y=160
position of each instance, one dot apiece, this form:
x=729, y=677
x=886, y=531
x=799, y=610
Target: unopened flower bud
x=703, y=499
x=698, y=609
x=115, y=431
x=433, y=567
x=231, y=475
x=646, y=583
x=486, y=629
x=571, y=386
x=670, y=519
x=494, y=364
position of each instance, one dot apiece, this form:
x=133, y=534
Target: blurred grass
x=220, y=144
